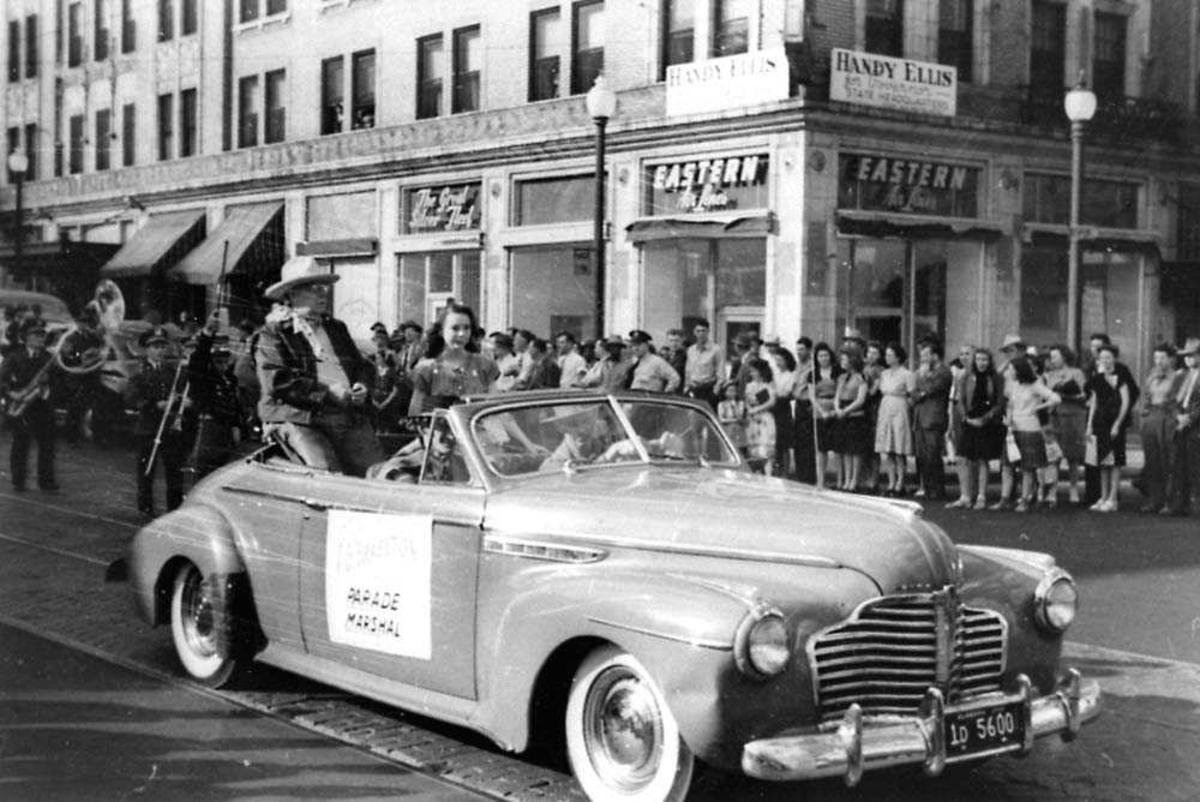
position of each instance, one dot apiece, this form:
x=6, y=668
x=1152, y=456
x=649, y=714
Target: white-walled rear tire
x=622, y=740
x=195, y=628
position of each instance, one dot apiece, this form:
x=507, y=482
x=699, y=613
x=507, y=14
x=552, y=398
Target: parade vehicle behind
x=602, y=572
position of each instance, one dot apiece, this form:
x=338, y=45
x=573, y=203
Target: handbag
x=1090, y=451
x=1012, y=451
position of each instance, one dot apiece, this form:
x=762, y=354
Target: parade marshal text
x=893, y=83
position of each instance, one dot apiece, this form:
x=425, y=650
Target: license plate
x=984, y=729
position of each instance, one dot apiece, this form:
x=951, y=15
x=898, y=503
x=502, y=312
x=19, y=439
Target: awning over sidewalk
x=248, y=241
x=160, y=242
x=56, y=257
x=738, y=225
x=898, y=224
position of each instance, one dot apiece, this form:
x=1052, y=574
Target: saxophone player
x=156, y=392
x=25, y=380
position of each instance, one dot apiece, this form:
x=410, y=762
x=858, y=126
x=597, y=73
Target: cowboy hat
x=1012, y=341
x=1191, y=347
x=297, y=271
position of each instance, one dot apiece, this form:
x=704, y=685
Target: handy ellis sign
x=893, y=83
x=719, y=84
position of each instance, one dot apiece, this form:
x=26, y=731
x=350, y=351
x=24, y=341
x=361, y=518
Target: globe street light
x=1080, y=105
x=18, y=163
x=601, y=104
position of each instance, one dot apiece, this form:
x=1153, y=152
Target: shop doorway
x=429, y=281
x=894, y=290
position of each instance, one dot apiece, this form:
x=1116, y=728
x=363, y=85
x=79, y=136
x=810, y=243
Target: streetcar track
x=33, y=544
x=26, y=499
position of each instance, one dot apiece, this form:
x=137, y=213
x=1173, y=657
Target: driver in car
x=583, y=436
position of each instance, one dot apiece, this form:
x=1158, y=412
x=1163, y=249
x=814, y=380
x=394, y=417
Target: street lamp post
x=601, y=104
x=1080, y=105
x=18, y=163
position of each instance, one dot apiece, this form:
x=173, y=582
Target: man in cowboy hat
x=25, y=383
x=315, y=382
x=1185, y=482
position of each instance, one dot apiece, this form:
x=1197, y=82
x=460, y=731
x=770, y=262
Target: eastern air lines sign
x=893, y=83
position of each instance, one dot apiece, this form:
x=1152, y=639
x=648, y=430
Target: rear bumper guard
x=859, y=743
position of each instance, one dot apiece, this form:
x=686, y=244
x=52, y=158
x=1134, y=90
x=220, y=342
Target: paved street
x=1139, y=576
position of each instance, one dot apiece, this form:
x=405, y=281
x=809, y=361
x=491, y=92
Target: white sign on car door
x=377, y=581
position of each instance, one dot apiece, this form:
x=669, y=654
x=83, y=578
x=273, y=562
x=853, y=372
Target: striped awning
x=250, y=240
x=161, y=242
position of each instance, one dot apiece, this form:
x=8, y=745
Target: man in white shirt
x=650, y=371
x=704, y=366
x=571, y=364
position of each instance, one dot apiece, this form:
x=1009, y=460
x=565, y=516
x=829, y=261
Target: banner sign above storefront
x=893, y=83
x=912, y=186
x=719, y=84
x=447, y=208
x=708, y=185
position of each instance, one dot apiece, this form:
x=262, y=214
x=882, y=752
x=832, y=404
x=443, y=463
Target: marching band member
x=157, y=386
x=25, y=379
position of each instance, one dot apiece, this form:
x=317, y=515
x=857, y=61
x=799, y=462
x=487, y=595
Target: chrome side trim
x=703, y=643
x=325, y=505
x=541, y=550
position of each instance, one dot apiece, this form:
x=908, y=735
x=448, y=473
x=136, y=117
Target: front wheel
x=622, y=740
x=196, y=624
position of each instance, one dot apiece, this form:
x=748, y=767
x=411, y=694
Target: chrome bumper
x=858, y=744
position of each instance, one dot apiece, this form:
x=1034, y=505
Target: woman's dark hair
x=789, y=361
x=1166, y=348
x=435, y=343
x=854, y=357
x=898, y=350
x=806, y=342
x=759, y=364
x=1112, y=349
x=1023, y=369
x=835, y=369
x=878, y=346
x=991, y=368
x=1067, y=354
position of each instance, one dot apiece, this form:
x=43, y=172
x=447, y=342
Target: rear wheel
x=622, y=740
x=197, y=621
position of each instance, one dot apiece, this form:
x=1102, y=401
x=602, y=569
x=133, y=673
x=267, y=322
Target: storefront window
x=718, y=280
x=554, y=200
x=1113, y=204
x=553, y=289
x=428, y=281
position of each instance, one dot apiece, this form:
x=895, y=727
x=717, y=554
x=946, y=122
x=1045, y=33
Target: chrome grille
x=890, y=650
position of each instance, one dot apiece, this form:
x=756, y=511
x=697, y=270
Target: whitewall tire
x=195, y=628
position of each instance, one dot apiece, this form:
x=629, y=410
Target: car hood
x=717, y=512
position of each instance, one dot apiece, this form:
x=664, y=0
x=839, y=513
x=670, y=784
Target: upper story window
x=587, y=45
x=1047, y=50
x=468, y=57
x=100, y=30
x=1108, y=65
x=333, y=75
x=431, y=70
x=275, y=129
x=128, y=27
x=955, y=36
x=128, y=134
x=189, y=132
x=731, y=27
x=166, y=127
x=31, y=150
x=189, y=17
x=362, y=90
x=74, y=34
x=14, y=51
x=679, y=33
x=166, y=20
x=546, y=41
x=14, y=142
x=75, y=126
x=31, y=46
x=103, y=138
x=250, y=10
x=885, y=27
x=248, y=111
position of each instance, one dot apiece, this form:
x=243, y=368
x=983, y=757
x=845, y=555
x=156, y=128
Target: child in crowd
x=732, y=413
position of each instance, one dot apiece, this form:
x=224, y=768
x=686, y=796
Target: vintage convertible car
x=603, y=570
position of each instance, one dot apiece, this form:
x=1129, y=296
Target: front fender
x=680, y=628
x=198, y=534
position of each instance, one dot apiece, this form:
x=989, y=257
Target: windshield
x=550, y=437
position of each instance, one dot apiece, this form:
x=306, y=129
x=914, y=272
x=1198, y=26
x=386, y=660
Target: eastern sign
x=377, y=582
x=717, y=184
x=869, y=79
x=448, y=208
x=728, y=82
x=913, y=186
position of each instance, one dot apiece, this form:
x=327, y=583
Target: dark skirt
x=982, y=442
x=804, y=438
x=854, y=435
x=1032, y=446
x=826, y=434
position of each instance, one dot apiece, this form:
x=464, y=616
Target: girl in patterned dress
x=760, y=416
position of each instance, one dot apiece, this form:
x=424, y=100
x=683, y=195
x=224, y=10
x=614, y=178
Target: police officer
x=25, y=379
x=214, y=395
x=150, y=391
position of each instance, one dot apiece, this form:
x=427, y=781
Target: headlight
x=1055, y=601
x=760, y=647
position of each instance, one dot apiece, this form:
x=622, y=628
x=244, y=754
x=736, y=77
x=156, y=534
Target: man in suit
x=1186, y=480
x=930, y=419
x=25, y=381
x=315, y=382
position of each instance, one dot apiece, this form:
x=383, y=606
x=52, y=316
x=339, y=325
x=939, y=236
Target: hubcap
x=197, y=615
x=624, y=729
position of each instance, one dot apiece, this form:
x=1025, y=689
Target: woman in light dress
x=893, y=429
x=822, y=389
x=760, y=416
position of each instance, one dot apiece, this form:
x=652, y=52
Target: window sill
x=338, y=5
x=262, y=23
